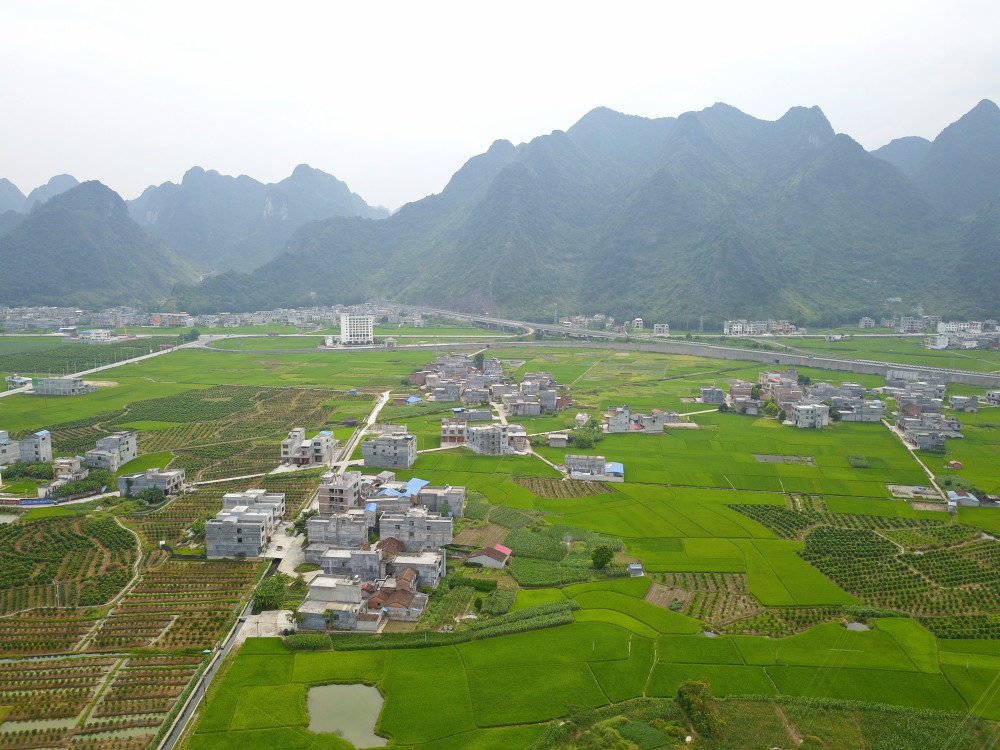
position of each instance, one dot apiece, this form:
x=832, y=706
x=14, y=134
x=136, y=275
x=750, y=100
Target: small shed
x=635, y=570
x=558, y=440
x=492, y=557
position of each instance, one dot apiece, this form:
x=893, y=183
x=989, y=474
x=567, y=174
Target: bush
x=695, y=697
x=602, y=554
x=308, y=642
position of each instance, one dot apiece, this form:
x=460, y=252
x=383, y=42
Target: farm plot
x=178, y=605
x=63, y=562
x=945, y=578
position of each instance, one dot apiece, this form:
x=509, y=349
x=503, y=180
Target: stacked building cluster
x=363, y=583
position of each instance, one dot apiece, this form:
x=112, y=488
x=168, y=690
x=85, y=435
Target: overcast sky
x=393, y=97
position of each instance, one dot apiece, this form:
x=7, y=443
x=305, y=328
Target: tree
x=695, y=697
x=269, y=594
x=601, y=555
x=755, y=392
x=478, y=360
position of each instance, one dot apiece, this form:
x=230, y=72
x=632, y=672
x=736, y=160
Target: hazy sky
x=393, y=97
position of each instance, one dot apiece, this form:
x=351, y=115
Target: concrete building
x=993, y=398
x=10, y=450
x=958, y=403
x=167, y=481
x=594, y=469
x=113, y=452
x=418, y=529
x=244, y=525
x=866, y=322
x=340, y=530
x=33, y=449
x=337, y=603
x=712, y=395
x=661, y=329
x=430, y=565
x=356, y=329
x=61, y=387
x=447, y=500
x=858, y=409
x=810, y=415
x=453, y=431
x=487, y=439
x=37, y=447
x=301, y=451
x=397, y=450
x=339, y=493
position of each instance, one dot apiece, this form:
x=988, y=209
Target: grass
x=139, y=464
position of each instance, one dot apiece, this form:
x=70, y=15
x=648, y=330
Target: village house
x=453, y=431
x=33, y=449
x=339, y=493
x=167, y=481
x=810, y=415
x=594, y=469
x=712, y=395
x=621, y=419
x=337, y=603
x=964, y=403
x=113, y=451
x=417, y=528
x=297, y=449
x=61, y=387
x=244, y=526
x=397, y=450
x=858, y=409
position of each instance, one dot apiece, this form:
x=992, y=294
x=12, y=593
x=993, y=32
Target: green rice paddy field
x=621, y=647
x=672, y=513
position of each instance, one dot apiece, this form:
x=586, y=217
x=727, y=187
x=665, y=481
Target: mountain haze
x=82, y=248
x=58, y=184
x=960, y=169
x=218, y=222
x=713, y=213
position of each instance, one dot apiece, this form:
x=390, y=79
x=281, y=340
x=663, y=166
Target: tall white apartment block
x=357, y=329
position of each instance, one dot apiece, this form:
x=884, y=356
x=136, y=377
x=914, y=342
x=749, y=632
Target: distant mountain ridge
x=712, y=213
x=960, y=169
x=81, y=248
x=219, y=222
x=708, y=215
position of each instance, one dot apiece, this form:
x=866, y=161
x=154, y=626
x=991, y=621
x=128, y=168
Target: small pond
x=8, y=517
x=710, y=634
x=348, y=711
x=857, y=626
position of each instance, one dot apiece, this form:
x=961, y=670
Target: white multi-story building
x=810, y=415
x=299, y=450
x=356, y=329
x=866, y=322
x=661, y=329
